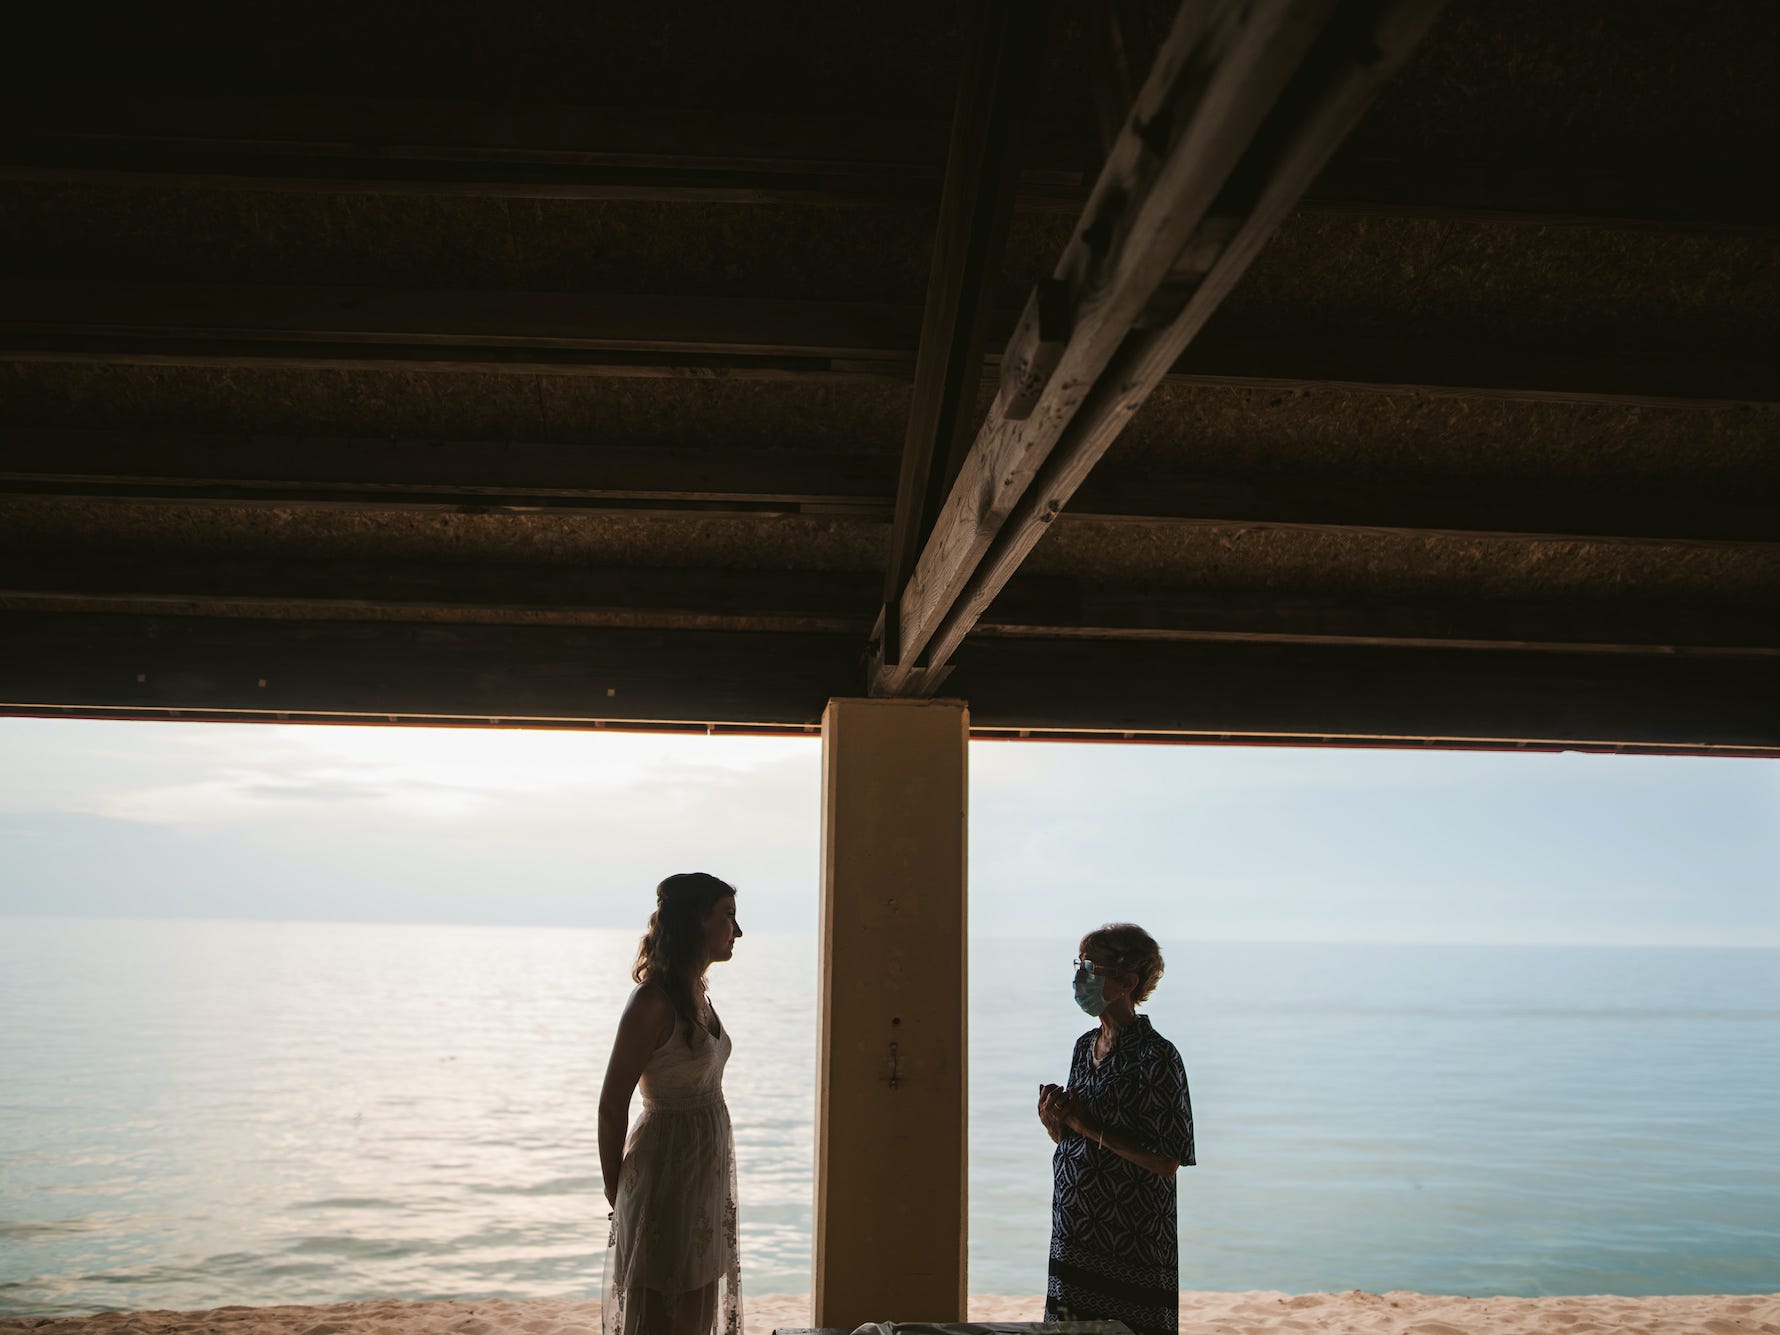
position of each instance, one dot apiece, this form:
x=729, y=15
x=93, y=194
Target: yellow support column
x=890, y=1064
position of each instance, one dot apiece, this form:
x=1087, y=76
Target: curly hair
x=668, y=953
x=1128, y=949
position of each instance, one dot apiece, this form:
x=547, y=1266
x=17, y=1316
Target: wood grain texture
x=1023, y=474
x=1212, y=85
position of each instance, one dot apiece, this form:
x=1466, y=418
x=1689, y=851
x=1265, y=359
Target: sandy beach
x=1257, y=1313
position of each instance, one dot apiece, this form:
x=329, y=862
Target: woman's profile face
x=1115, y=986
x=722, y=930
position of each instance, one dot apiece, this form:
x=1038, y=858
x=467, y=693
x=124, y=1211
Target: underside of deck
x=665, y=366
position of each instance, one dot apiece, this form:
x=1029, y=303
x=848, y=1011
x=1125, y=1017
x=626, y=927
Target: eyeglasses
x=1085, y=967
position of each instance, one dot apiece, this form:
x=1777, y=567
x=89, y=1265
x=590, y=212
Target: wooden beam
x=1001, y=49
x=742, y=600
x=1212, y=84
x=1047, y=608
x=408, y=318
x=402, y=146
x=1589, y=512
x=1032, y=607
x=568, y=333
x=1608, y=369
x=1706, y=194
x=1333, y=694
x=525, y=476
x=374, y=672
x=1242, y=108
x=147, y=666
x=390, y=146
x=517, y=151
x=464, y=359
x=508, y=476
x=482, y=331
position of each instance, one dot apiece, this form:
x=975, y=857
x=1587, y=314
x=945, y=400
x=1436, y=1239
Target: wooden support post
x=890, y=1103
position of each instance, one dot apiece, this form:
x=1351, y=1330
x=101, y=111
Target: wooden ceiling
x=1371, y=371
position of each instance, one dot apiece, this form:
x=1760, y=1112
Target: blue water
x=202, y=1113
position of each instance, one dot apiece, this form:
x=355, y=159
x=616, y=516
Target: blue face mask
x=1090, y=991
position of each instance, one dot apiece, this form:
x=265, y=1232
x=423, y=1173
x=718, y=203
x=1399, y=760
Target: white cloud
x=193, y=774
x=1233, y=843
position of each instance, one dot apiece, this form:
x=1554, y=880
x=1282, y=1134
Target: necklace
x=701, y=1005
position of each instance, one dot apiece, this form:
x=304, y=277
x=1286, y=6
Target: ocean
x=195, y=1114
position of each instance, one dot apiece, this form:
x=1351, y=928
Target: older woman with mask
x=1122, y=1127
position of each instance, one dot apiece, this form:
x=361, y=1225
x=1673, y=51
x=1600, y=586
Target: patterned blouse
x=1114, y=1246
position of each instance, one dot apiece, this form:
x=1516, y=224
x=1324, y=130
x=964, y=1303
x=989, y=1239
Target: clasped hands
x=1061, y=1109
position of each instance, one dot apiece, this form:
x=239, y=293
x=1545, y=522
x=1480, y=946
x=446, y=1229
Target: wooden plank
x=376, y=672
x=129, y=165
x=1512, y=371
x=1001, y=49
x=395, y=146
x=1707, y=194
x=490, y=332
x=1036, y=346
x=1213, y=82
x=567, y=134
x=1032, y=607
x=462, y=359
x=441, y=474
x=1035, y=607
x=566, y=333
x=411, y=317
x=1594, y=512
x=524, y=476
x=746, y=600
x=486, y=331
x=1606, y=369
x=1333, y=694
x=1250, y=136
x=516, y=149
x=146, y=666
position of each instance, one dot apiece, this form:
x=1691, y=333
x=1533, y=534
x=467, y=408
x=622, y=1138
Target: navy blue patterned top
x=1114, y=1246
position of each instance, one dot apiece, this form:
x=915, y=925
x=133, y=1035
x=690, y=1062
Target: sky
x=254, y=821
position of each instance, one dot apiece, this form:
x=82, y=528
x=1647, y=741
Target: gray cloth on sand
x=993, y=1328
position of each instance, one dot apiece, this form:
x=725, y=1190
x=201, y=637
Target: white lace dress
x=672, y=1264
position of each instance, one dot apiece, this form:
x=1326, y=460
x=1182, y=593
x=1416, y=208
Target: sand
x=1201, y=1314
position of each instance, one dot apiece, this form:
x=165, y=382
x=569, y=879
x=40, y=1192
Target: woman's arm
x=1080, y=1120
x=647, y=1023
x=1050, y=1111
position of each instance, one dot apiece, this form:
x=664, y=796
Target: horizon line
x=484, y=924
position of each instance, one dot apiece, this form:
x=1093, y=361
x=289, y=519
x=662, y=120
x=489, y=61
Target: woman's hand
x=1074, y=1114
x=1062, y=1110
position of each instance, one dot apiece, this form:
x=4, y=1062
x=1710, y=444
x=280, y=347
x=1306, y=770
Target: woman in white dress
x=672, y=1264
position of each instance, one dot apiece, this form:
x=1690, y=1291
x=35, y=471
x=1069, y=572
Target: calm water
x=194, y=1114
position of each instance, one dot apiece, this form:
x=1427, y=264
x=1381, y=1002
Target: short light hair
x=1128, y=949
